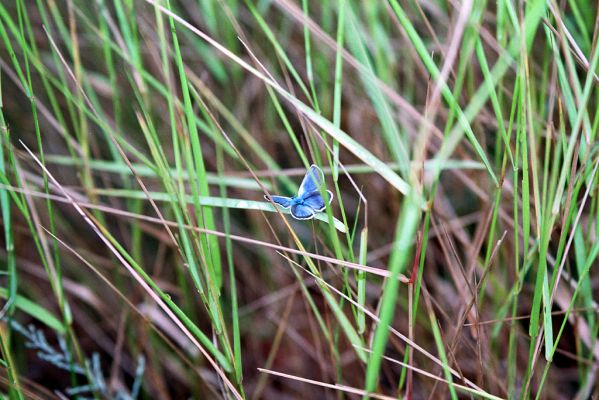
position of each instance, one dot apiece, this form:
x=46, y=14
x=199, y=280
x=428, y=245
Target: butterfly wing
x=283, y=201
x=315, y=200
x=312, y=181
x=302, y=211
x=308, y=200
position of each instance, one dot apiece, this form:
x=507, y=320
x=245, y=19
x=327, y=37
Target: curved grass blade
x=36, y=311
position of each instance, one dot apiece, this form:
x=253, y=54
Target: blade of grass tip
x=36, y=311
x=405, y=233
x=338, y=83
x=352, y=145
x=12, y=375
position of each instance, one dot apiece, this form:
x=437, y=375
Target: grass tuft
x=139, y=138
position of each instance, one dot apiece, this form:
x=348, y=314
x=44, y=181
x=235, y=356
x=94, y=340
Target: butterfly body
x=309, y=200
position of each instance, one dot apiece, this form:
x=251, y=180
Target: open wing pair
x=309, y=200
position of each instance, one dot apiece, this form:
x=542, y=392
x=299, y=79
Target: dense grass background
x=139, y=258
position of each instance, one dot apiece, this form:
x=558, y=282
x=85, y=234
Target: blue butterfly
x=308, y=200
